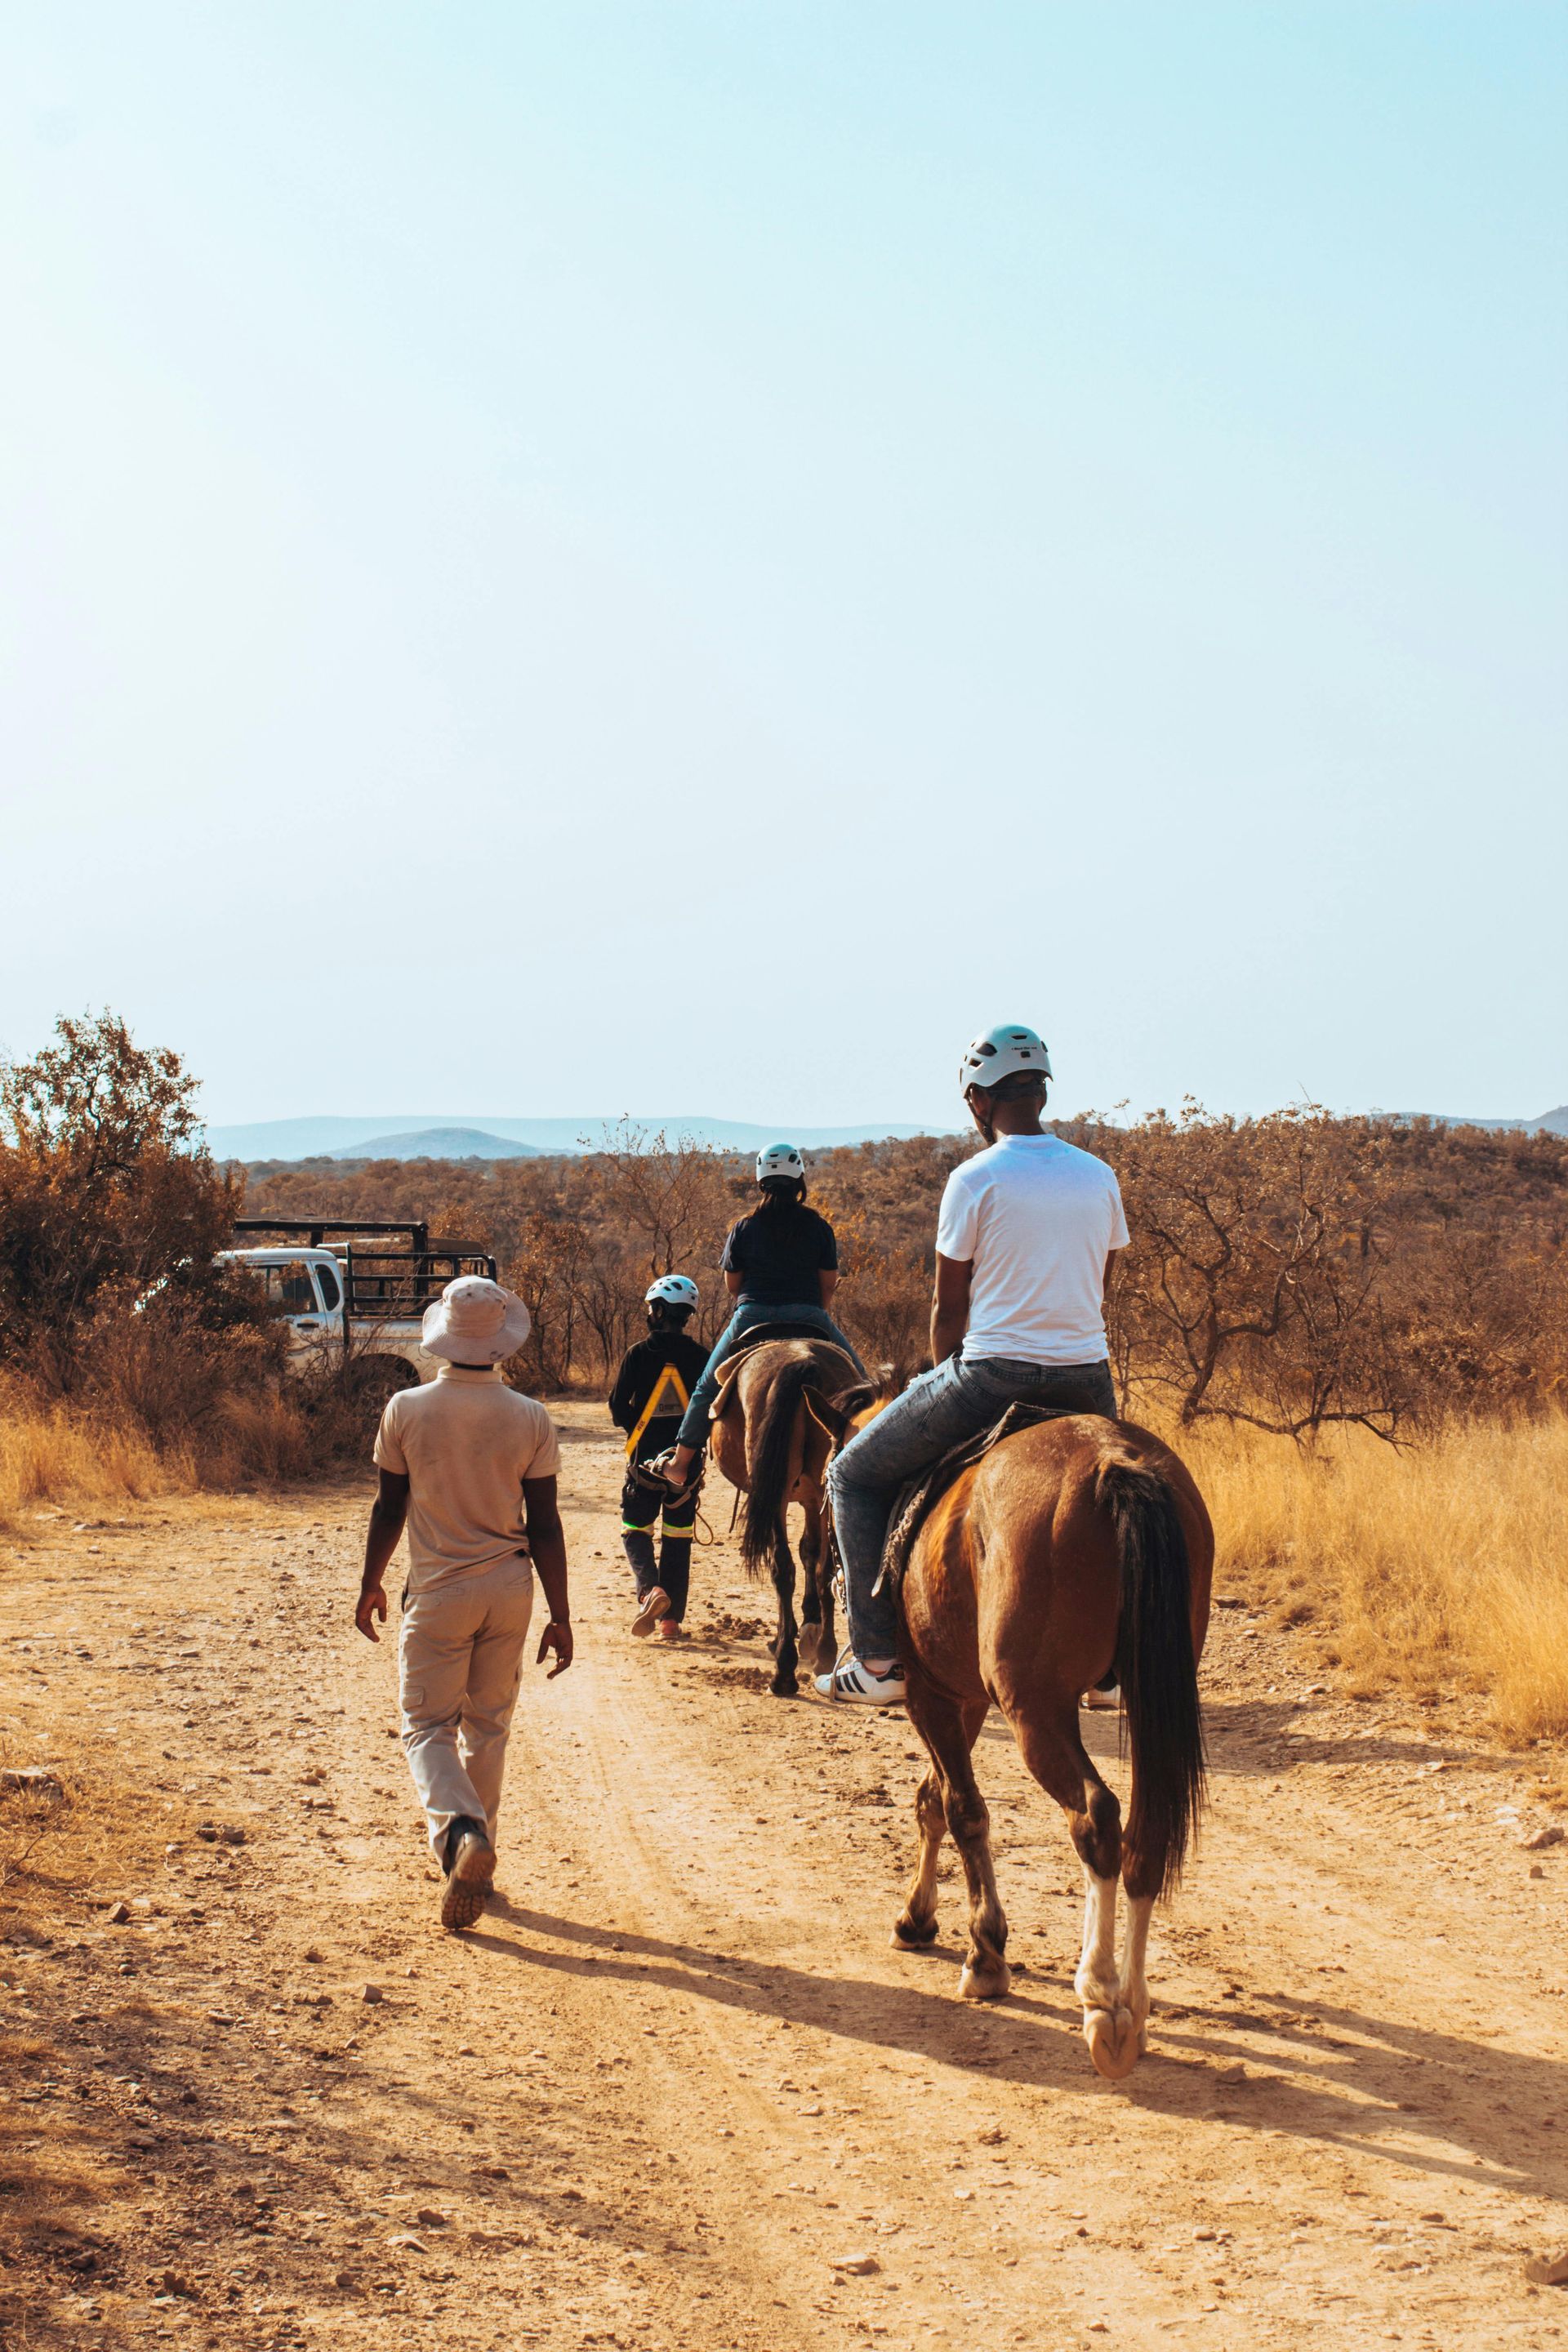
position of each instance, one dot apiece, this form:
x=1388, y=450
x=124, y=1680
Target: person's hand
x=371, y=1604
x=556, y=1637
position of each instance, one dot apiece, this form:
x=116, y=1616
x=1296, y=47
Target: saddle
x=761, y=1333
x=760, y=1336
x=919, y=1498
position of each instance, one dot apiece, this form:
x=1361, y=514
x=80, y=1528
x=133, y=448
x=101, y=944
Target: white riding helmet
x=999, y=1053
x=671, y=1290
x=780, y=1160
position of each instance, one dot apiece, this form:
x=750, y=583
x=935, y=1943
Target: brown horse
x=772, y=1426
x=1073, y=1548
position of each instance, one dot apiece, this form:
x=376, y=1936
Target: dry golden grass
x=1445, y=1565
x=49, y=1453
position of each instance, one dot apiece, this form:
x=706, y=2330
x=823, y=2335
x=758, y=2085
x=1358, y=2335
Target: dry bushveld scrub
x=1440, y=1566
x=46, y=1452
x=1355, y=1328
x=53, y=1453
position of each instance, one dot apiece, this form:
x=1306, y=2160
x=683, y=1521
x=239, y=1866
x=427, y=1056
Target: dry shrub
x=54, y=1452
x=50, y=1453
x=1441, y=1565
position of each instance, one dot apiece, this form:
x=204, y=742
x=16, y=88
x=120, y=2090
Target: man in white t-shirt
x=469, y=1467
x=1024, y=1235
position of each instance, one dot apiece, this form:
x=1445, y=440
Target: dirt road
x=679, y=2092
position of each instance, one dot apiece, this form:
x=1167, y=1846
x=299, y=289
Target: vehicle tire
x=372, y=1380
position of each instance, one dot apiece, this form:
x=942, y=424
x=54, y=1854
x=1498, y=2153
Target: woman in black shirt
x=781, y=1266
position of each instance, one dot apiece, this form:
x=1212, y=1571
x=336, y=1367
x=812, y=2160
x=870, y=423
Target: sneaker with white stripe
x=851, y=1680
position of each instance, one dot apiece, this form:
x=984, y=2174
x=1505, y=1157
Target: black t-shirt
x=638, y=1375
x=778, y=1253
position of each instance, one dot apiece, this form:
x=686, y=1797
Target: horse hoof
x=912, y=1937
x=1112, y=2043
x=790, y=1689
x=988, y=1981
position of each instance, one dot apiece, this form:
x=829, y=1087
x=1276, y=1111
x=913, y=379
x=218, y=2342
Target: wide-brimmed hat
x=475, y=1321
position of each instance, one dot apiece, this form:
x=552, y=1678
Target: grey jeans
x=935, y=1413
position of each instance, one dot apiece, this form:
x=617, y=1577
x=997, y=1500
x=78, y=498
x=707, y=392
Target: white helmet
x=780, y=1160
x=671, y=1290
x=999, y=1053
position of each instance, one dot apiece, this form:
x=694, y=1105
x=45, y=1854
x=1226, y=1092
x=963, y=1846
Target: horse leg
x=1142, y=1875
x=950, y=1732
x=915, y=1928
x=786, y=1658
x=1134, y=1962
x=1057, y=1759
x=815, y=1648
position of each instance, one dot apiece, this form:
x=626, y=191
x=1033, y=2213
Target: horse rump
x=769, y=1474
x=1157, y=1667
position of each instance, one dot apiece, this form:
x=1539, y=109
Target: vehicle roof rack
x=318, y=1228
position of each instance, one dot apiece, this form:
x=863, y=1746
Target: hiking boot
x=655, y=1605
x=470, y=1874
x=851, y=1680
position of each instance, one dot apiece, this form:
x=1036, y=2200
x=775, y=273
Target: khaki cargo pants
x=459, y=1663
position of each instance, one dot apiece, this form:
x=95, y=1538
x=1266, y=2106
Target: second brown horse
x=779, y=1405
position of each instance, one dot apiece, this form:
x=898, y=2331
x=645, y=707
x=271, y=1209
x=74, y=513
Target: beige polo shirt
x=465, y=1441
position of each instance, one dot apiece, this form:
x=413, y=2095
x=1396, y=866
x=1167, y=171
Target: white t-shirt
x=1036, y=1218
x=465, y=1444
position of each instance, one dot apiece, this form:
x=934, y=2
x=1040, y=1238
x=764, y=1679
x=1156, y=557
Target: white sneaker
x=851, y=1680
x=1098, y=1700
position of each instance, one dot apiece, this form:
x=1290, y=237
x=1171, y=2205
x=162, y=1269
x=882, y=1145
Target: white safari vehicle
x=359, y=1298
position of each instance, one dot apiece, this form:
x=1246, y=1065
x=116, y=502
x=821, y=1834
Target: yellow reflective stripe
x=669, y=1380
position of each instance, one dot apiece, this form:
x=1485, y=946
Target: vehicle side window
x=329, y=1286
x=288, y=1289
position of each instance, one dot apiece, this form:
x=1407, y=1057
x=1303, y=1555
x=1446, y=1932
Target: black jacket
x=639, y=1377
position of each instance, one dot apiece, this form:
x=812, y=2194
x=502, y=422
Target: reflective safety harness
x=668, y=1403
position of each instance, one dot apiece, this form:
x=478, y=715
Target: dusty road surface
x=679, y=2092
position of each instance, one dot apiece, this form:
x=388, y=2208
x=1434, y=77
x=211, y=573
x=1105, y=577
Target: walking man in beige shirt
x=469, y=1465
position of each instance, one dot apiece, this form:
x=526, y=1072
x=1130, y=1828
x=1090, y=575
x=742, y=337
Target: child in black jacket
x=653, y=1389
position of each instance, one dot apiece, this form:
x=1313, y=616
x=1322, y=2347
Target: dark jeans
x=751, y=1314
x=935, y=1413
x=641, y=1512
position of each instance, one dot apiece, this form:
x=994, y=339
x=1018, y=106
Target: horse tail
x=764, y=1546
x=1155, y=1667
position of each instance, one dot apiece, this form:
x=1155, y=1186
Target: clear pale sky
x=565, y=558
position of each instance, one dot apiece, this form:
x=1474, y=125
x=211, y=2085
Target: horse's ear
x=840, y=1409
x=824, y=1411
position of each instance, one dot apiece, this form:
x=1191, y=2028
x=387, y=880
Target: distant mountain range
x=1551, y=1122
x=438, y=1143
x=427, y=1138
x=416, y=1138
